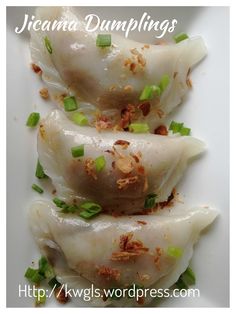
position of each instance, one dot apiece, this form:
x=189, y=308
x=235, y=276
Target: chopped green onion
x=33, y=119
x=90, y=210
x=156, y=89
x=185, y=131
x=180, y=37
x=77, y=151
x=48, y=44
x=173, y=251
x=39, y=173
x=79, y=118
x=176, y=127
x=103, y=40
x=59, y=203
x=181, y=284
x=189, y=277
x=147, y=93
x=139, y=127
x=100, y=163
x=113, y=294
x=69, y=209
x=150, y=201
x=70, y=103
x=40, y=296
x=37, y=188
x=33, y=275
x=165, y=80
x=54, y=283
x=45, y=269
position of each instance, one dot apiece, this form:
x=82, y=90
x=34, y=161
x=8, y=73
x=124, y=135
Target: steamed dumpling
x=132, y=165
x=119, y=251
x=111, y=78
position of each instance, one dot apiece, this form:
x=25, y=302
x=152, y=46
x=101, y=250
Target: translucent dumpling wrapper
x=116, y=252
x=108, y=79
x=117, y=170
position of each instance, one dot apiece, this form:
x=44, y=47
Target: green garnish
x=37, y=188
x=69, y=209
x=80, y=119
x=70, y=103
x=48, y=44
x=59, y=203
x=39, y=173
x=147, y=93
x=174, y=251
x=186, y=279
x=33, y=275
x=180, y=37
x=77, y=151
x=176, y=127
x=100, y=163
x=139, y=127
x=33, y=119
x=40, y=298
x=103, y=40
x=113, y=294
x=90, y=210
x=165, y=80
x=54, y=283
x=45, y=269
x=156, y=89
x=150, y=201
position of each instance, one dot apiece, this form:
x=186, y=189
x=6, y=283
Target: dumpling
x=116, y=169
x=114, y=77
x=119, y=251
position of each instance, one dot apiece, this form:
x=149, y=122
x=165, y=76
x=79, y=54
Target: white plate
x=205, y=110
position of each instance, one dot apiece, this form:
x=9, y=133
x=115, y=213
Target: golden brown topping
x=128, y=88
x=126, y=182
x=141, y=222
x=36, y=68
x=89, y=166
x=126, y=115
x=124, y=164
x=160, y=113
x=44, y=93
x=157, y=259
x=42, y=131
x=123, y=256
x=161, y=130
x=132, y=67
x=141, y=170
x=141, y=60
x=145, y=107
x=146, y=46
x=174, y=75
x=168, y=202
x=134, y=51
x=61, y=295
x=103, y=123
x=109, y=273
x=122, y=143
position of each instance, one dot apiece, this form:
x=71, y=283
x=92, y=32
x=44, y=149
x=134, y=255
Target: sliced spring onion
x=33, y=119
x=150, y=201
x=103, y=40
x=33, y=275
x=165, y=80
x=113, y=295
x=180, y=37
x=90, y=210
x=185, y=131
x=70, y=103
x=48, y=44
x=39, y=173
x=181, y=284
x=54, y=283
x=37, y=188
x=69, y=209
x=40, y=296
x=100, y=163
x=174, y=251
x=156, y=89
x=45, y=269
x=176, y=127
x=189, y=277
x=147, y=93
x=77, y=151
x=139, y=127
x=80, y=119
x=59, y=203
